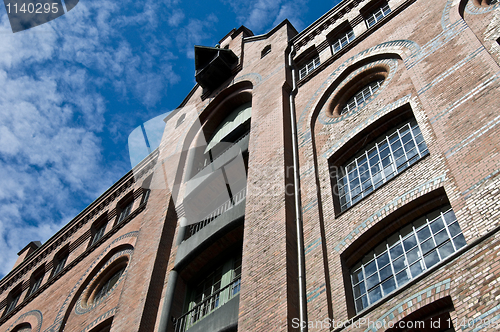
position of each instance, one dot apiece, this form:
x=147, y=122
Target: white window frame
x=404, y=255
x=125, y=212
x=36, y=284
x=309, y=67
x=377, y=15
x=379, y=162
x=342, y=41
x=361, y=96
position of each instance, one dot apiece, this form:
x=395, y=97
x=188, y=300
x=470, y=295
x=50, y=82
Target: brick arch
x=34, y=318
x=437, y=295
x=405, y=50
x=125, y=241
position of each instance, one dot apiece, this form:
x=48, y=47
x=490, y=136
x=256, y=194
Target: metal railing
x=207, y=305
x=229, y=204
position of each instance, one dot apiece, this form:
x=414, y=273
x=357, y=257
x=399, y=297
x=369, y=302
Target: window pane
x=375, y=294
x=409, y=242
x=405, y=258
x=423, y=233
x=385, y=272
x=416, y=269
x=388, y=286
x=446, y=250
x=431, y=259
x=459, y=241
x=441, y=237
x=359, y=290
x=413, y=255
x=383, y=259
x=396, y=251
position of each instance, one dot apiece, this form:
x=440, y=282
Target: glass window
x=405, y=255
x=99, y=233
x=380, y=162
x=309, y=67
x=377, y=15
x=36, y=284
x=108, y=285
x=60, y=264
x=361, y=96
x=342, y=41
x=13, y=302
x=221, y=285
x=125, y=212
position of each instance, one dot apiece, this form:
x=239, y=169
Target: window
x=14, y=298
x=265, y=51
x=145, y=195
x=309, y=67
x=125, y=211
x=59, y=263
x=342, y=41
x=221, y=285
x=377, y=15
x=108, y=285
x=100, y=229
x=379, y=162
x=404, y=255
x=362, y=95
x=36, y=280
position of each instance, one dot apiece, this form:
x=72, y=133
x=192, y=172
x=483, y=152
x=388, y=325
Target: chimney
x=26, y=251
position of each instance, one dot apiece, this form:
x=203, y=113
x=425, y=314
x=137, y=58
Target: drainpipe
x=298, y=205
x=172, y=281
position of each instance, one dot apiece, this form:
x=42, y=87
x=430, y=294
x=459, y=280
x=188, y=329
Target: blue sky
x=74, y=89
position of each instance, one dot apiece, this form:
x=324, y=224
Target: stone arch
x=33, y=319
x=126, y=241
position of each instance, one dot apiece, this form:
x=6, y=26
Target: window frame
x=125, y=209
x=14, y=297
x=60, y=261
x=377, y=14
x=309, y=66
x=36, y=280
x=105, y=287
x=340, y=171
x=373, y=86
x=338, y=39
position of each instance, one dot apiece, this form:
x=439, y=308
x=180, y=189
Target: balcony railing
x=207, y=306
x=229, y=204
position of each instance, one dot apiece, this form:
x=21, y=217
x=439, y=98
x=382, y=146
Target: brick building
x=341, y=178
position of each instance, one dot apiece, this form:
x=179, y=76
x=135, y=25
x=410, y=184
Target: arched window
x=231, y=129
x=404, y=255
x=265, y=51
x=378, y=162
x=362, y=95
x=107, y=286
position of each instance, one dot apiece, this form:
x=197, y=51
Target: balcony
x=228, y=205
x=217, y=312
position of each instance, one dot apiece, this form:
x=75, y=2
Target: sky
x=75, y=88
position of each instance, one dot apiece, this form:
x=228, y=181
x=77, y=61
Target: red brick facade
x=438, y=65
